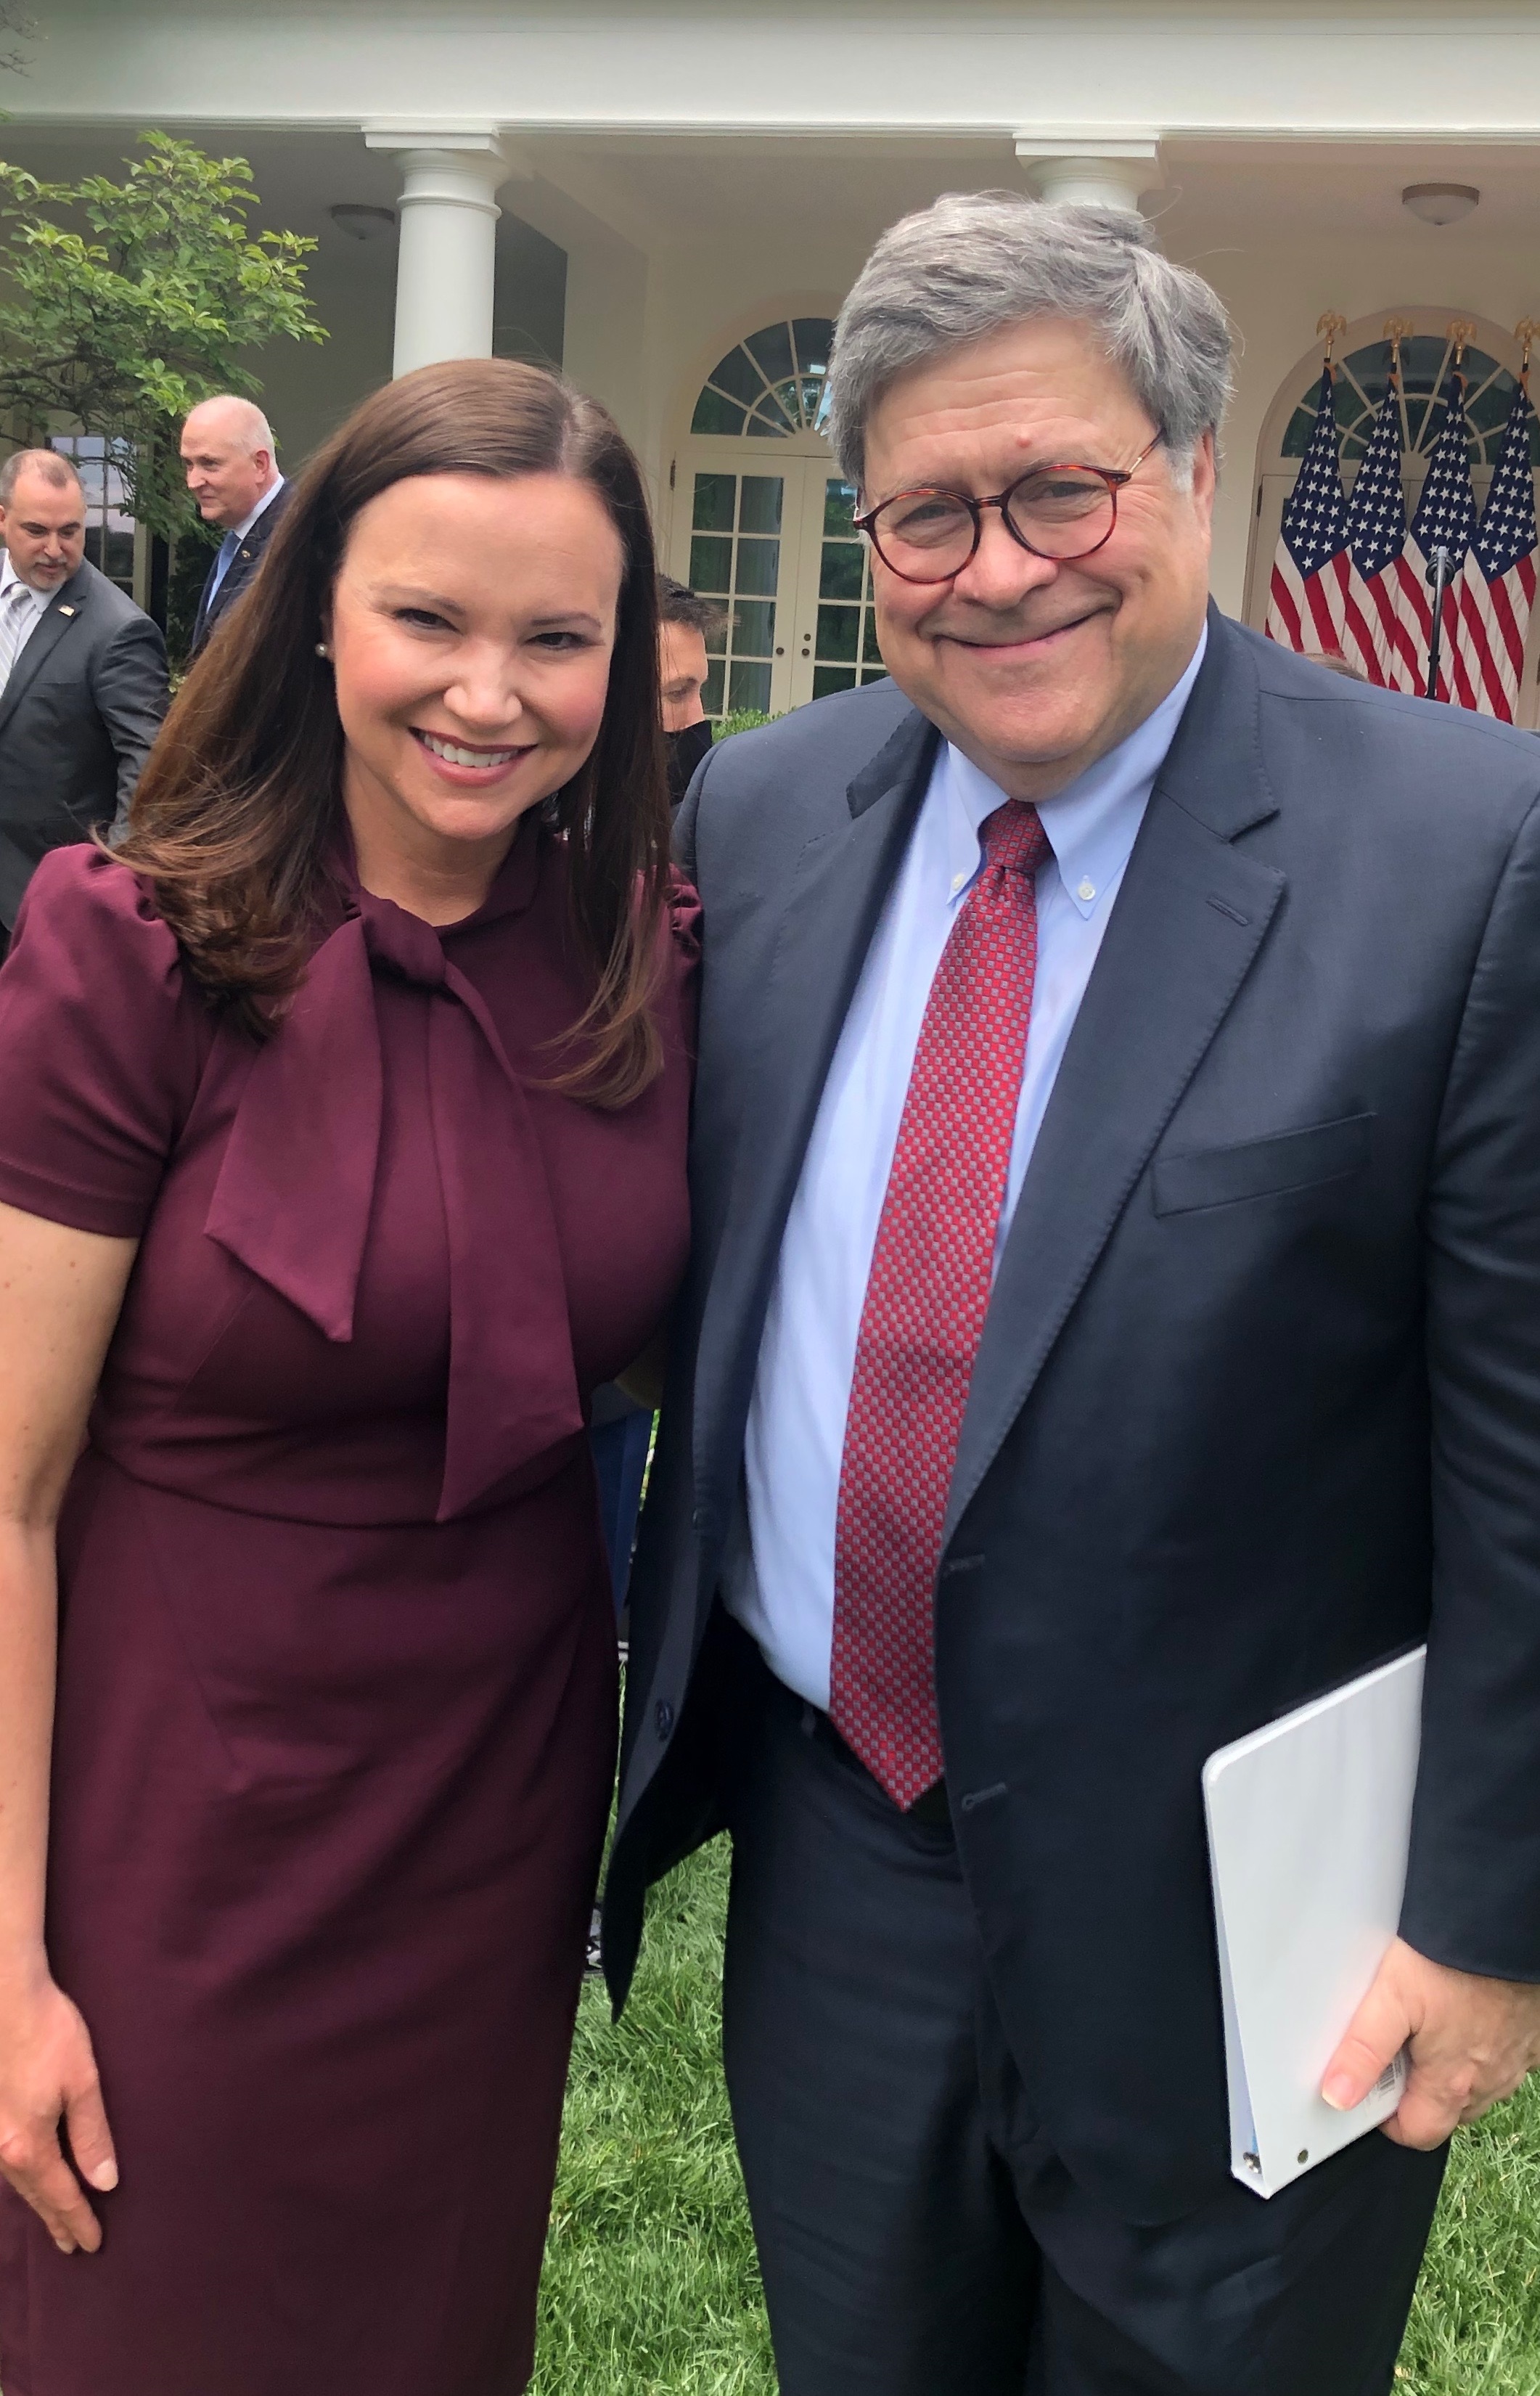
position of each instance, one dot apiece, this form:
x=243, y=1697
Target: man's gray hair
x=46, y=464
x=975, y=263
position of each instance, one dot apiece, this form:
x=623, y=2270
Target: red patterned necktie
x=925, y=1303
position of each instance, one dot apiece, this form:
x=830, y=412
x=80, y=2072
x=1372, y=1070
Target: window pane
x=710, y=689
x=815, y=338
x=760, y=509
x=837, y=632
x=872, y=673
x=1490, y=408
x=839, y=507
x=714, y=414
x=771, y=350
x=757, y=569
x=739, y=378
x=753, y=628
x=828, y=678
x=710, y=564
x=872, y=649
x=840, y=573
x=750, y=686
x=769, y=422
x=713, y=502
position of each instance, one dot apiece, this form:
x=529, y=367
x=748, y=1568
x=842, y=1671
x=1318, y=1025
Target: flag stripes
x=1307, y=598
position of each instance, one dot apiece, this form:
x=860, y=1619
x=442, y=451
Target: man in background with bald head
x=227, y=449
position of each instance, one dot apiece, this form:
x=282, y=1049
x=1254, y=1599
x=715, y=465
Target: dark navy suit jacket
x=78, y=717
x=1258, y=1396
x=215, y=604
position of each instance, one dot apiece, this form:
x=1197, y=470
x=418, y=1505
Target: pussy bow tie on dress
x=297, y=1185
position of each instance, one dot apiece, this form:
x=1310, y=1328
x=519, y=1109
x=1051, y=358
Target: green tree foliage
x=118, y=329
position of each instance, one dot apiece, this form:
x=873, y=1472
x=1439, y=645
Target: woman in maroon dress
x=341, y=1154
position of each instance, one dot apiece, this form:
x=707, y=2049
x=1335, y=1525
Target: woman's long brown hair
x=237, y=810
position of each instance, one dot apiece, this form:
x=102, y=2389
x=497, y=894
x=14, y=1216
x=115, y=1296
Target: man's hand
x=1472, y=2041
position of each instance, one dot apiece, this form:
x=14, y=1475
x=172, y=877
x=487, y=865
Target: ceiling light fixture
x=1441, y=204
x=362, y=222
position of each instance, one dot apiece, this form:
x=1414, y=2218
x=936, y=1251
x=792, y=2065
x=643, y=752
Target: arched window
x=770, y=385
x=1364, y=378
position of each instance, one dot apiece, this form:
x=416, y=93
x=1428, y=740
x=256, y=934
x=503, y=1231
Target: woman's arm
x=61, y=1291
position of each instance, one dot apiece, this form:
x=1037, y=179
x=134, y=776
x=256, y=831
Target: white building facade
x=669, y=199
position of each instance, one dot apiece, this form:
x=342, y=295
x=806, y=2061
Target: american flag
x=1310, y=576
x=1373, y=635
x=1497, y=589
x=1446, y=512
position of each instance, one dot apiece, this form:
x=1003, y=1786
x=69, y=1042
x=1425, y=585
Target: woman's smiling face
x=471, y=626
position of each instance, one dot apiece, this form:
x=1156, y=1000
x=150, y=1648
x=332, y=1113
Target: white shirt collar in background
x=261, y=509
x=40, y=599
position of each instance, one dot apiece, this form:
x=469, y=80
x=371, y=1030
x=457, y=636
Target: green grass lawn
x=650, y=2287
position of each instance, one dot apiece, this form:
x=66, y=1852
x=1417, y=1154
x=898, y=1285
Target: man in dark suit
x=1115, y=1319
x=82, y=685
x=232, y=467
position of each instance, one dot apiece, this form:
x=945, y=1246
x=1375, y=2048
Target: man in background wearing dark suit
x=1115, y=1319
x=82, y=685
x=232, y=474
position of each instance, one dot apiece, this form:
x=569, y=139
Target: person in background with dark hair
x=342, y=1120
x=686, y=622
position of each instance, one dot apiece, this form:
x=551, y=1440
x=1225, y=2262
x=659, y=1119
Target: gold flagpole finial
x=1334, y=323
x=1526, y=332
x=1461, y=332
x=1397, y=330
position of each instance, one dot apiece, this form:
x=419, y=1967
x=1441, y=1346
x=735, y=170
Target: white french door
x=768, y=538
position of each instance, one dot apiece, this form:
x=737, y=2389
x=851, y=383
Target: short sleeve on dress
x=99, y=1047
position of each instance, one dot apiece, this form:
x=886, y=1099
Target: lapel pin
x=66, y=611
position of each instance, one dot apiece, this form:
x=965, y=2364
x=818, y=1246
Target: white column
x=447, y=261
x=1105, y=174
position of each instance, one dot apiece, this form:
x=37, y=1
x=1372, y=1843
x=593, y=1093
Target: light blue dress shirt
x=780, y=1581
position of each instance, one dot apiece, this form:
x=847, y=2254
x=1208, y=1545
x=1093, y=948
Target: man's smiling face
x=1033, y=669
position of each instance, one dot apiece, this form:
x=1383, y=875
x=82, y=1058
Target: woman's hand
x=48, y=2075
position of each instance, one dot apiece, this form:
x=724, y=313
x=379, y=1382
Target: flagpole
x=1439, y=577
x=1460, y=332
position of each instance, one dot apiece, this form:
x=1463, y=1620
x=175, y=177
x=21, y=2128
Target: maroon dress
x=337, y=1701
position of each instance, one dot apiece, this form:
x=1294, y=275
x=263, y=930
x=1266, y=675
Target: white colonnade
x=1106, y=174
x=447, y=264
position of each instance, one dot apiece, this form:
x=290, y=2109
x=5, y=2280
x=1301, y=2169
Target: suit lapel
x=204, y=601
x=833, y=904
x=62, y=613
x=1188, y=922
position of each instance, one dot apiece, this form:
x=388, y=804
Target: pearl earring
x=321, y=650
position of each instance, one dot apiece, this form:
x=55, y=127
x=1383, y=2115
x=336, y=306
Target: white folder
x=1308, y=1824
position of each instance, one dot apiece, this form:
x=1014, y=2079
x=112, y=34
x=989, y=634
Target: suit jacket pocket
x=1259, y=1168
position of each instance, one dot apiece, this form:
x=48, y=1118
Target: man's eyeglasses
x=1058, y=512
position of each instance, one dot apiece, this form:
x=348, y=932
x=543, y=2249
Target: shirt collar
x=39, y=598
x=261, y=509
x=1093, y=823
